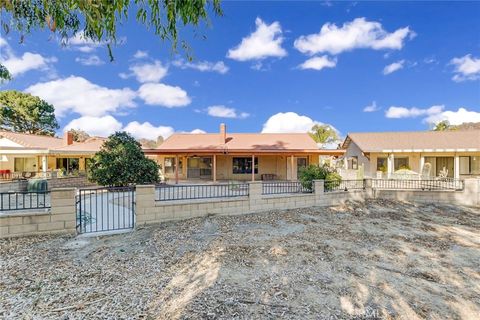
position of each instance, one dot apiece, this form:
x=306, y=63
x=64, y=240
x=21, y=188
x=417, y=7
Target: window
x=244, y=165
x=68, y=165
x=382, y=164
x=302, y=163
x=400, y=163
x=353, y=163
x=470, y=165
x=25, y=165
x=170, y=165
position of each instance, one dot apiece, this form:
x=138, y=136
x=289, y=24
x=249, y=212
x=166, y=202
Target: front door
x=199, y=168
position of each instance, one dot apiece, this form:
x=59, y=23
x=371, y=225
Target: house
x=454, y=154
x=28, y=155
x=237, y=156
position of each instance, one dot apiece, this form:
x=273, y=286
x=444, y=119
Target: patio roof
x=231, y=143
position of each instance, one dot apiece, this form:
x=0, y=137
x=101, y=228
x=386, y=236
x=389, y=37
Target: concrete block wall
x=69, y=182
x=13, y=186
x=61, y=218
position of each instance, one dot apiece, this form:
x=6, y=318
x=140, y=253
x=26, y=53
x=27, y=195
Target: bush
x=121, y=162
x=314, y=172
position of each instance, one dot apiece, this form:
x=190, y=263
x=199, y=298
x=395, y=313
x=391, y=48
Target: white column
x=390, y=165
x=292, y=168
x=44, y=164
x=422, y=164
x=456, y=168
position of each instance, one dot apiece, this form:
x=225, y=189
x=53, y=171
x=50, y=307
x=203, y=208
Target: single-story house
x=236, y=156
x=454, y=154
x=29, y=155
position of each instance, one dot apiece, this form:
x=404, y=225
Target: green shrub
x=121, y=162
x=314, y=172
x=332, y=181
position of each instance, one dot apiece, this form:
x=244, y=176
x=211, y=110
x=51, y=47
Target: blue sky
x=267, y=66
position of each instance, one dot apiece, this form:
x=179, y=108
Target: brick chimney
x=67, y=138
x=223, y=133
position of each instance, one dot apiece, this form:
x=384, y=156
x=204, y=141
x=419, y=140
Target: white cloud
x=265, y=41
x=287, y=122
x=197, y=131
x=221, y=111
x=148, y=131
x=140, y=54
x=80, y=43
x=28, y=61
x=454, y=117
x=96, y=126
x=358, y=33
x=466, y=68
x=371, y=108
x=92, y=60
x=318, y=63
x=79, y=95
x=163, y=95
x=149, y=72
x=203, y=66
x=393, y=67
x=402, y=112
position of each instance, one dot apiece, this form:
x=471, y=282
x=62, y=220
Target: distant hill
x=468, y=126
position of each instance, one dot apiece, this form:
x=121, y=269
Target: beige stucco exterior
x=7, y=161
x=278, y=165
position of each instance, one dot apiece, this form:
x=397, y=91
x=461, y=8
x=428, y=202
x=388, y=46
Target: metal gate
x=105, y=209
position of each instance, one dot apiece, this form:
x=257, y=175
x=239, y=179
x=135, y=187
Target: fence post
x=255, y=196
x=319, y=189
x=64, y=216
x=367, y=184
x=145, y=204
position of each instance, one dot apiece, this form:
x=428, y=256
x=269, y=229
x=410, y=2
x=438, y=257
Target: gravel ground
x=380, y=259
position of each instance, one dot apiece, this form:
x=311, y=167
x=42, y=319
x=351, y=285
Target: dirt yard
x=381, y=259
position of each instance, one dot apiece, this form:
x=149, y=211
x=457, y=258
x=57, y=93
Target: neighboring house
x=237, y=156
x=29, y=155
x=428, y=153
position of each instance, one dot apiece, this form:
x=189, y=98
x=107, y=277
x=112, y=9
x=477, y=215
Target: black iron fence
x=105, y=209
x=419, y=184
x=285, y=187
x=166, y=192
x=343, y=185
x=10, y=201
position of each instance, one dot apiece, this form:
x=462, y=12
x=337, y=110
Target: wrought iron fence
x=343, y=185
x=105, y=209
x=285, y=187
x=419, y=184
x=167, y=192
x=10, y=201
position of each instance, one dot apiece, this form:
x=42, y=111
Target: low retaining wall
x=60, y=218
x=17, y=186
x=69, y=182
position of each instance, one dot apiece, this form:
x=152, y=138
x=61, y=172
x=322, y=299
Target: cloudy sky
x=266, y=66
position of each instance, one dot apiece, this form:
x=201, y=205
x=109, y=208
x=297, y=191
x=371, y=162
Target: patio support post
x=176, y=169
x=253, y=167
x=44, y=164
x=390, y=165
x=214, y=168
x=456, y=167
x=422, y=164
x=292, y=166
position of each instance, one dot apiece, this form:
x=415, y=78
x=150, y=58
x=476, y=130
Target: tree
x=4, y=74
x=313, y=172
x=150, y=143
x=323, y=133
x=121, y=162
x=79, y=135
x=22, y=112
x=442, y=126
x=98, y=19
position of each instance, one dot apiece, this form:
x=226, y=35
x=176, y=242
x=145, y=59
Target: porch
x=212, y=168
